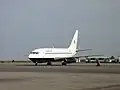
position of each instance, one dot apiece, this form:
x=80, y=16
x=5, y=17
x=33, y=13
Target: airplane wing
x=80, y=56
x=79, y=50
x=73, y=59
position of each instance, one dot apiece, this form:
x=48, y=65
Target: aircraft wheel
x=49, y=63
x=64, y=63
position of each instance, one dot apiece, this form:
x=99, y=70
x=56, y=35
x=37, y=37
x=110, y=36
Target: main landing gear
x=49, y=63
x=64, y=62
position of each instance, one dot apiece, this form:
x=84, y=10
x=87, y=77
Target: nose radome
x=29, y=56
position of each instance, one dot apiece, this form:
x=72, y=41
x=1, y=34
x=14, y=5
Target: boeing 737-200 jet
x=64, y=55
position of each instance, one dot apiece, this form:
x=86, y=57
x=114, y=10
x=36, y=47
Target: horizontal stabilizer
x=89, y=55
x=79, y=50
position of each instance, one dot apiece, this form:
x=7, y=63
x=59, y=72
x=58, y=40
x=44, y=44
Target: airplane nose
x=33, y=56
x=29, y=56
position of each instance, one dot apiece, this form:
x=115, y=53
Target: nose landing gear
x=36, y=64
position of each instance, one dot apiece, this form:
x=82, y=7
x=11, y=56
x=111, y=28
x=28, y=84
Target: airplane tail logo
x=73, y=45
x=74, y=41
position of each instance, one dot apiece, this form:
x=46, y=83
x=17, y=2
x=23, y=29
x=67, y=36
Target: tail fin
x=73, y=45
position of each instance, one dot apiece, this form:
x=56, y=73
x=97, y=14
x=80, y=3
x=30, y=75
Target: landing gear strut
x=36, y=64
x=49, y=63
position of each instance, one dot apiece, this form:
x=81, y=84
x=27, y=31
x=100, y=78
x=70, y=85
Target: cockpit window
x=34, y=52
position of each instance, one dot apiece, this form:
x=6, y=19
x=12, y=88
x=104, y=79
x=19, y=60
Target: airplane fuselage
x=50, y=53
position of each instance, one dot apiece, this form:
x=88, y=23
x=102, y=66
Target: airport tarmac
x=71, y=77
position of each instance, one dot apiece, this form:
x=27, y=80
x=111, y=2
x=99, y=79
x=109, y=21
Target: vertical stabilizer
x=73, y=45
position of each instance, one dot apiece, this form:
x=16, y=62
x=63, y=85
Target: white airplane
x=65, y=55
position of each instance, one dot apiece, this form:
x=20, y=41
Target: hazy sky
x=29, y=24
